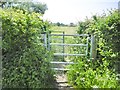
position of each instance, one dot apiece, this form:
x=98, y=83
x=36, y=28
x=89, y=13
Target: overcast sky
x=67, y=11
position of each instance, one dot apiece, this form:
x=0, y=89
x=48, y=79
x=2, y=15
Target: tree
x=39, y=8
x=72, y=24
x=29, y=6
x=58, y=24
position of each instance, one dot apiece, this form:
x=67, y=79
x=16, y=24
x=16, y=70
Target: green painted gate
x=60, y=44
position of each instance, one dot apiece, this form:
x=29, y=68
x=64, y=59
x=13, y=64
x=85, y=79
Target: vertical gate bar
x=63, y=46
x=93, y=48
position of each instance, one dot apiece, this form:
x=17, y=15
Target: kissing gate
x=64, y=46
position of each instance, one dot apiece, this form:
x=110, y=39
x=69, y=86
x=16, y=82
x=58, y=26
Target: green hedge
x=86, y=74
x=106, y=29
x=25, y=62
x=100, y=73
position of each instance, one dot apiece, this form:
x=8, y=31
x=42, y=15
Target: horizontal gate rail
x=53, y=40
x=69, y=34
x=62, y=44
x=62, y=62
x=65, y=54
x=57, y=39
x=61, y=69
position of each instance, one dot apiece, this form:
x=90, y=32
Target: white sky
x=67, y=11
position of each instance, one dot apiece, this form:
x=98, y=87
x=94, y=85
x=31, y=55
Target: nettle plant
x=26, y=64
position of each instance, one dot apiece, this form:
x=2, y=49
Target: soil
x=62, y=83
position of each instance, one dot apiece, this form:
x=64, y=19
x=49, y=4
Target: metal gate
x=64, y=43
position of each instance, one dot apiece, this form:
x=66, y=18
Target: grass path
x=61, y=79
x=66, y=29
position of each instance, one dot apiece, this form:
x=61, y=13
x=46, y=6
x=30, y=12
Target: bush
x=86, y=74
x=106, y=29
x=102, y=72
x=25, y=61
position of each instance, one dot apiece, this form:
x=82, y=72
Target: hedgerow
x=26, y=64
x=102, y=72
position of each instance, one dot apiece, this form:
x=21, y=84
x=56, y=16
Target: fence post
x=93, y=48
x=87, y=47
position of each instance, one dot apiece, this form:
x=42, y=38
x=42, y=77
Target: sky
x=73, y=11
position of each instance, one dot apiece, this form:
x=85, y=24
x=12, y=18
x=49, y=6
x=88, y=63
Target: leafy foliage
x=25, y=61
x=99, y=73
x=24, y=5
x=86, y=74
x=106, y=30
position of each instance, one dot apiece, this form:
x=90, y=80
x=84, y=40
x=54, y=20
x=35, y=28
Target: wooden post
x=93, y=48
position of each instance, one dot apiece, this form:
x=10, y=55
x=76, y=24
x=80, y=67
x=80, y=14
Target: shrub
x=87, y=74
x=106, y=29
x=102, y=72
x=25, y=61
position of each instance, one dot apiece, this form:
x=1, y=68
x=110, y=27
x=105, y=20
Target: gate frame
x=90, y=39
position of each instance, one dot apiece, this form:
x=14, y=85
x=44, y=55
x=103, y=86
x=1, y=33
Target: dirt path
x=62, y=82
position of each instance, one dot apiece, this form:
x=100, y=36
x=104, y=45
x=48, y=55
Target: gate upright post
x=87, y=46
x=45, y=40
x=49, y=36
x=93, y=50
